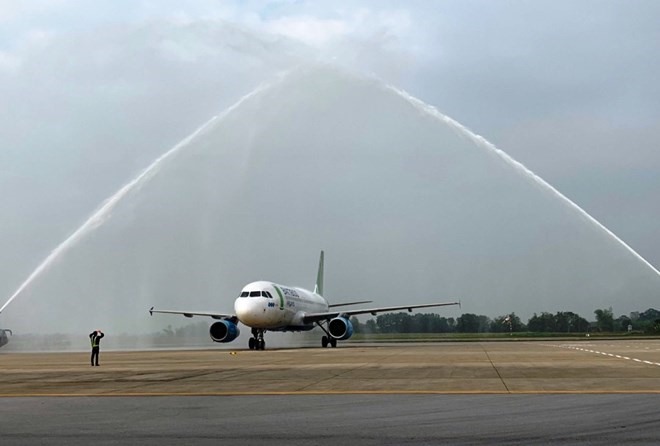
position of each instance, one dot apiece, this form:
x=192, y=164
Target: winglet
x=318, y=288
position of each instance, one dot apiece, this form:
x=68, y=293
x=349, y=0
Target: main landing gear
x=257, y=342
x=327, y=339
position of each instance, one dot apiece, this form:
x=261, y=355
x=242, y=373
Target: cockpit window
x=267, y=293
x=255, y=293
x=245, y=294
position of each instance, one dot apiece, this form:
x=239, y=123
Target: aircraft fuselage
x=269, y=306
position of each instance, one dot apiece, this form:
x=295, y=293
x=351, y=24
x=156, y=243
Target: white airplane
x=266, y=306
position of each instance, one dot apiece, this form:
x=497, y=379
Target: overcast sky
x=92, y=92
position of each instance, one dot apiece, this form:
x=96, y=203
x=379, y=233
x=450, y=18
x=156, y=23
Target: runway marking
x=338, y=392
x=572, y=347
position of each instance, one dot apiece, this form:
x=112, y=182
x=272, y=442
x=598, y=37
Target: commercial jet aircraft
x=266, y=306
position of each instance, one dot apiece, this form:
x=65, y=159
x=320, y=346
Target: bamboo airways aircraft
x=266, y=306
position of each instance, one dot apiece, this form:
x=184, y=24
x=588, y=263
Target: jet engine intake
x=224, y=331
x=340, y=328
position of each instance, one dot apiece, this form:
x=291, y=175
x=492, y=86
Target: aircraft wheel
x=333, y=342
x=251, y=343
x=324, y=341
x=261, y=345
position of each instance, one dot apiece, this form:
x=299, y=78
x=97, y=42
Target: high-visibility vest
x=95, y=341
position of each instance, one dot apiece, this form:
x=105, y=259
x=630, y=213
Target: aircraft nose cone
x=249, y=310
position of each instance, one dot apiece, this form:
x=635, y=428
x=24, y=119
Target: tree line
x=561, y=322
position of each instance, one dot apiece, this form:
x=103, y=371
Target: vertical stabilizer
x=318, y=289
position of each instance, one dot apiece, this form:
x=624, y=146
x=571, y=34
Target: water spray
x=103, y=212
x=483, y=142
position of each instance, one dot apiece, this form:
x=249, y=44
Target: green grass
x=466, y=337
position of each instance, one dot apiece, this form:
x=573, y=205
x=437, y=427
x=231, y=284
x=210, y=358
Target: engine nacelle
x=340, y=328
x=224, y=331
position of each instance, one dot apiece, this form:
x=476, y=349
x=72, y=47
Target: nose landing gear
x=257, y=341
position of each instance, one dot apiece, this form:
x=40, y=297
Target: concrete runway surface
x=578, y=392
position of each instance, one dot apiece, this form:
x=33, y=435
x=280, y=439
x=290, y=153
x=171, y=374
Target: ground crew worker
x=95, y=339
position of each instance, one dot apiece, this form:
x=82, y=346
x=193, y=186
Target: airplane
x=3, y=336
x=266, y=306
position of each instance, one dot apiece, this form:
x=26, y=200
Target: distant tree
x=394, y=323
x=419, y=323
x=467, y=323
x=604, y=319
x=507, y=323
x=567, y=322
x=649, y=315
x=168, y=331
x=621, y=323
x=451, y=323
x=561, y=322
x=472, y=323
x=484, y=324
x=423, y=323
x=443, y=325
x=386, y=324
x=371, y=326
x=357, y=327
x=577, y=323
x=429, y=323
x=543, y=323
x=655, y=328
x=644, y=321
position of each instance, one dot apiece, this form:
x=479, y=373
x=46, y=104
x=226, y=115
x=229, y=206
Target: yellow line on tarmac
x=341, y=392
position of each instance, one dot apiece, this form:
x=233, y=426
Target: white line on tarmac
x=571, y=347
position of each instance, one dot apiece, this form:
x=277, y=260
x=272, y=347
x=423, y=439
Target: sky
x=92, y=93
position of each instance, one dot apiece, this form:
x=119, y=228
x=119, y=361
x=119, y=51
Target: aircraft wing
x=345, y=304
x=194, y=313
x=315, y=317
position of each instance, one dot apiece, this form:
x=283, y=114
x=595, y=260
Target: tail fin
x=318, y=289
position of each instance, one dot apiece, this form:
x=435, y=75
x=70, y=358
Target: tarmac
x=545, y=392
x=515, y=367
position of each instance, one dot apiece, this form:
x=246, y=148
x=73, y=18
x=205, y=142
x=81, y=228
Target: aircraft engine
x=224, y=331
x=340, y=328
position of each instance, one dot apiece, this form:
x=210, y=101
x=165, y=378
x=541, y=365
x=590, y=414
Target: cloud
x=310, y=30
x=92, y=93
x=12, y=10
x=9, y=63
x=84, y=111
